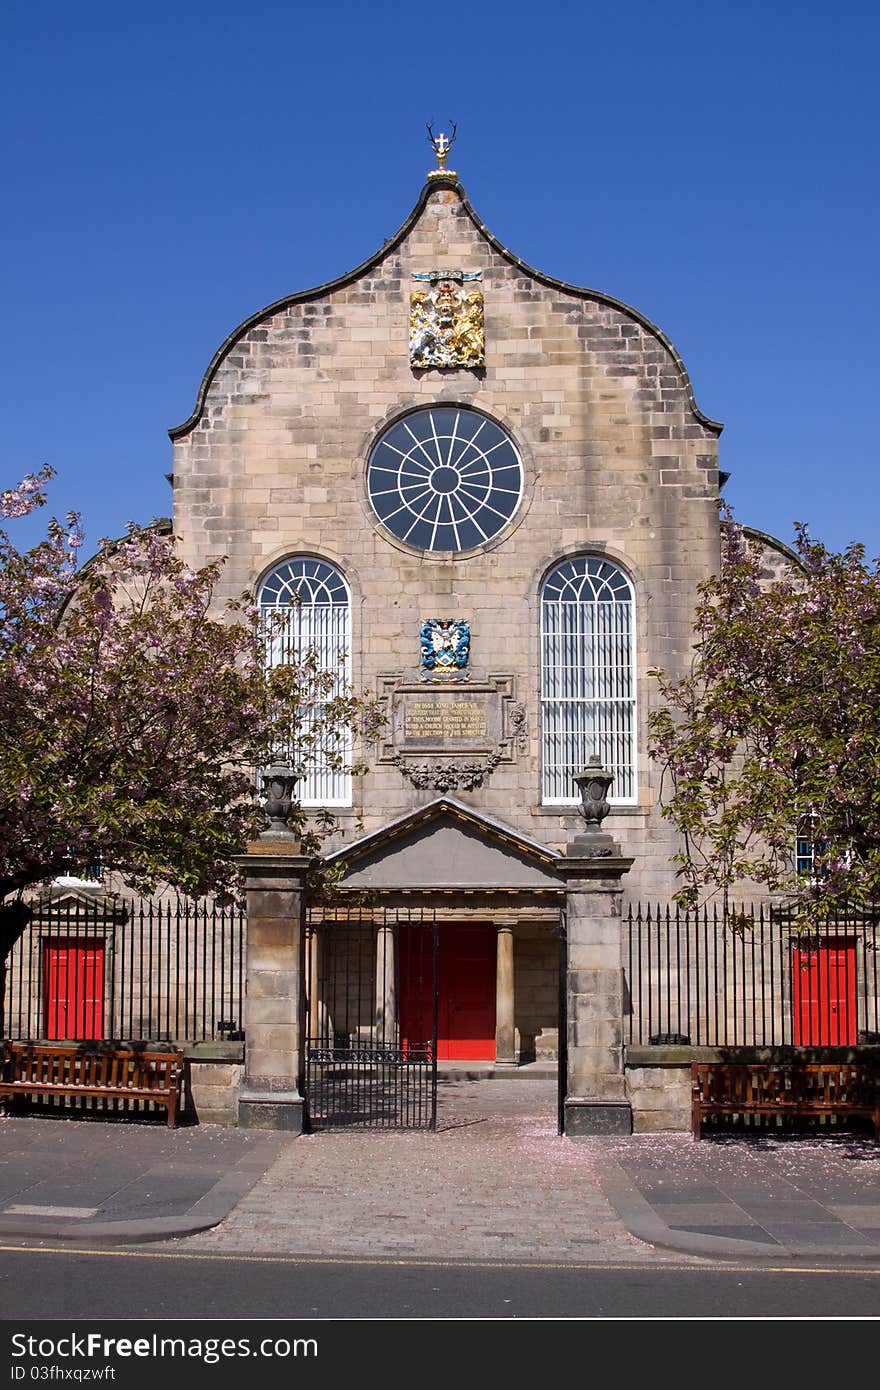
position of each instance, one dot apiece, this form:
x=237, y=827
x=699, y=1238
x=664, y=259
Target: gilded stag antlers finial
x=441, y=145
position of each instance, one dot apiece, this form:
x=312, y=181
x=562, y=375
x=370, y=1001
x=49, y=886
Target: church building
x=495, y=494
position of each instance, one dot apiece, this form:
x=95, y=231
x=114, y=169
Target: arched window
x=587, y=677
x=314, y=600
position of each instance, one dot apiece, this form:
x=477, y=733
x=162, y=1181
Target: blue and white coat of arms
x=445, y=646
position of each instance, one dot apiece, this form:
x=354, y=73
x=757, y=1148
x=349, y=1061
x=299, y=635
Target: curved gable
x=777, y=558
x=388, y=249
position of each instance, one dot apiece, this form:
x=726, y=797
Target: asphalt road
x=47, y=1283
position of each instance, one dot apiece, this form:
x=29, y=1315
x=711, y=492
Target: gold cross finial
x=441, y=145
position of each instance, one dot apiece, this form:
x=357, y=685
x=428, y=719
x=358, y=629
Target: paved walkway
x=494, y=1182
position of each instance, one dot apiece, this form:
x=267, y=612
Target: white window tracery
x=587, y=677
x=307, y=607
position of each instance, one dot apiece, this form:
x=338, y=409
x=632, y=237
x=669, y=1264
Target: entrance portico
x=455, y=939
x=495, y=896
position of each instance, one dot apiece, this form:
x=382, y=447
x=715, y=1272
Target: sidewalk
x=495, y=1182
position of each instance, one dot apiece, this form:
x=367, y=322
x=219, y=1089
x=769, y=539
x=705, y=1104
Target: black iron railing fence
x=127, y=968
x=751, y=977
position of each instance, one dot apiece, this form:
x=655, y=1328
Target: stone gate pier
x=271, y=1091
x=596, y=1100
x=595, y=1087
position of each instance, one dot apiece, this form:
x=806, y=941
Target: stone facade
x=618, y=459
x=618, y=463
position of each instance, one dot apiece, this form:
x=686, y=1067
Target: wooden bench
x=794, y=1089
x=41, y=1069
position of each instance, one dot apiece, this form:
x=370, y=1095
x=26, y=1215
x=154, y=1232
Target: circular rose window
x=444, y=478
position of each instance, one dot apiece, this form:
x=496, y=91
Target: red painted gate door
x=73, y=972
x=466, y=1001
x=416, y=985
x=824, y=995
x=466, y=1027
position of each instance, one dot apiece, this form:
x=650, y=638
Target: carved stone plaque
x=445, y=720
x=448, y=739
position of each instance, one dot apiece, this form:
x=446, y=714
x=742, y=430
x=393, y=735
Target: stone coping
x=213, y=1051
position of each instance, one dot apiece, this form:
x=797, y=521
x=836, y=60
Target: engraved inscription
x=451, y=739
x=445, y=719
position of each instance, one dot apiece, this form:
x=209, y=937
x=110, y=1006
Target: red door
x=416, y=985
x=466, y=1022
x=73, y=975
x=824, y=994
x=466, y=1002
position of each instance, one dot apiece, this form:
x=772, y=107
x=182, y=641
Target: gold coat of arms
x=446, y=320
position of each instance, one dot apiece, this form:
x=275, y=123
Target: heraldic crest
x=446, y=320
x=445, y=648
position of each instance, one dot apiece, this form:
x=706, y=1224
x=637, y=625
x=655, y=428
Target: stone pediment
x=447, y=845
x=78, y=899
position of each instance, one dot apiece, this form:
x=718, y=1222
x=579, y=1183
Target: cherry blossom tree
x=776, y=729
x=135, y=708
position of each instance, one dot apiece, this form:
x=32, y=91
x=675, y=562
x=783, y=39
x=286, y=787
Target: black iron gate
x=371, y=1018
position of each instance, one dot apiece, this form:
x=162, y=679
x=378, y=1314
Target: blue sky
x=170, y=169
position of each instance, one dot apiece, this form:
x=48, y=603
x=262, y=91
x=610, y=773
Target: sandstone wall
x=618, y=461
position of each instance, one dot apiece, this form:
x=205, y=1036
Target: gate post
x=595, y=1093
x=595, y=1085
x=271, y=1095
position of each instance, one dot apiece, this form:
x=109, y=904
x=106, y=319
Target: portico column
x=386, y=986
x=505, y=1049
x=319, y=1018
